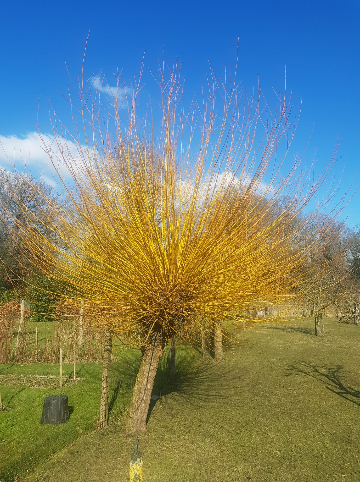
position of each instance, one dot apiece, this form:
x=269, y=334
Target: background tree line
x=22, y=203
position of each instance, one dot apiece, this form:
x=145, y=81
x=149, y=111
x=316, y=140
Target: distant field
x=282, y=406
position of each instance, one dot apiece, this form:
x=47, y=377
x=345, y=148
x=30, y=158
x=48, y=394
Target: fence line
x=80, y=342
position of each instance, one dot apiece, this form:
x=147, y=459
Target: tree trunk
x=172, y=359
x=105, y=382
x=140, y=402
x=218, y=348
x=356, y=314
x=319, y=324
x=203, y=341
x=81, y=323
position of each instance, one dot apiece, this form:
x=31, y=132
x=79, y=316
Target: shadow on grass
x=289, y=329
x=2, y=369
x=125, y=369
x=197, y=380
x=16, y=394
x=330, y=376
x=114, y=395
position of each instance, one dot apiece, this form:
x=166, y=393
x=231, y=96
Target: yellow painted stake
x=136, y=464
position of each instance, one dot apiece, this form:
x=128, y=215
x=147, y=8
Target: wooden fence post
x=36, y=342
x=60, y=367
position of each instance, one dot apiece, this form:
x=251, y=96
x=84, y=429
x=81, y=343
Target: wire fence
x=24, y=341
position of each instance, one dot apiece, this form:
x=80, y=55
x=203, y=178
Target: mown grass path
x=284, y=405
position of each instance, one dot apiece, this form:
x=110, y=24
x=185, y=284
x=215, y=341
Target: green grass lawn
x=282, y=406
x=24, y=441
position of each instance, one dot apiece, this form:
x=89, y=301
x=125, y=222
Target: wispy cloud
x=99, y=83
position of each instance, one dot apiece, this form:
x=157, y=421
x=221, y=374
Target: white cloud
x=29, y=152
x=120, y=93
x=34, y=153
x=220, y=182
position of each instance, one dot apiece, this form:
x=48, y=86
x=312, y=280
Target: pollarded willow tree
x=164, y=237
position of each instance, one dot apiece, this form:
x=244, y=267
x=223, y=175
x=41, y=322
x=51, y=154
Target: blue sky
x=319, y=42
